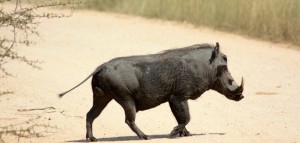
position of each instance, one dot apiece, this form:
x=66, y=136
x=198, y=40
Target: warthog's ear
x=217, y=45
x=215, y=52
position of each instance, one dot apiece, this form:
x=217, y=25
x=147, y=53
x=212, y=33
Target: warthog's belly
x=144, y=102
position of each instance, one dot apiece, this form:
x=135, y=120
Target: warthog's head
x=223, y=81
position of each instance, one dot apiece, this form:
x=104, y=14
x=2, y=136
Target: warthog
x=139, y=83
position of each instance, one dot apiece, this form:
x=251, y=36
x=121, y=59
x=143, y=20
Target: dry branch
x=23, y=23
x=25, y=110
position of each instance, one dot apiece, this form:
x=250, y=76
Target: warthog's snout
x=238, y=92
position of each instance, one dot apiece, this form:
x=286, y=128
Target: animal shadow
x=135, y=138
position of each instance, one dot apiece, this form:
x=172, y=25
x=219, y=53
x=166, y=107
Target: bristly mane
x=185, y=50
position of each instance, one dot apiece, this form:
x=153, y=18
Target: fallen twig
x=25, y=110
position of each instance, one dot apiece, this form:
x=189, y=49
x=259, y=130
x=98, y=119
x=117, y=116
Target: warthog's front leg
x=180, y=110
x=130, y=113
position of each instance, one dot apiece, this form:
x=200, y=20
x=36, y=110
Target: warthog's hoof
x=92, y=139
x=184, y=132
x=145, y=137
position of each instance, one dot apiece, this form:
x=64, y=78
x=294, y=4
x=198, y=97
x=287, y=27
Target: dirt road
x=71, y=48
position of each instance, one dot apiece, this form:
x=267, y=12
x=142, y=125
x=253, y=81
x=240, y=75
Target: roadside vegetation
x=274, y=20
x=19, y=23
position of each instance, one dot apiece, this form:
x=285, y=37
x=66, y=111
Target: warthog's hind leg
x=130, y=113
x=99, y=103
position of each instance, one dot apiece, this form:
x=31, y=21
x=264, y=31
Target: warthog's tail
x=62, y=94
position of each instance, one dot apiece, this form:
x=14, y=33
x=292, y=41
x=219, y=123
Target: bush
x=20, y=24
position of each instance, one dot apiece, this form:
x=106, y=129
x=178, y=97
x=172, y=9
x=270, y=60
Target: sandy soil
x=71, y=48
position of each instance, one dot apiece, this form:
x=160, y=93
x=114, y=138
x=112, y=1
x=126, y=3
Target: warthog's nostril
x=241, y=97
x=230, y=81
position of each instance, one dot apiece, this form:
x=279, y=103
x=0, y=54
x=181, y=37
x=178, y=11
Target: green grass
x=274, y=20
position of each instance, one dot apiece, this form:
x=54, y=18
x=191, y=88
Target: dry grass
x=265, y=93
x=274, y=20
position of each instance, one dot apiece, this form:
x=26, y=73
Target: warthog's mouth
x=238, y=97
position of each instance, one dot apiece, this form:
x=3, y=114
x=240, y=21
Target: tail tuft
x=61, y=94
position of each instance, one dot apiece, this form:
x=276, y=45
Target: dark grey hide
x=139, y=83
